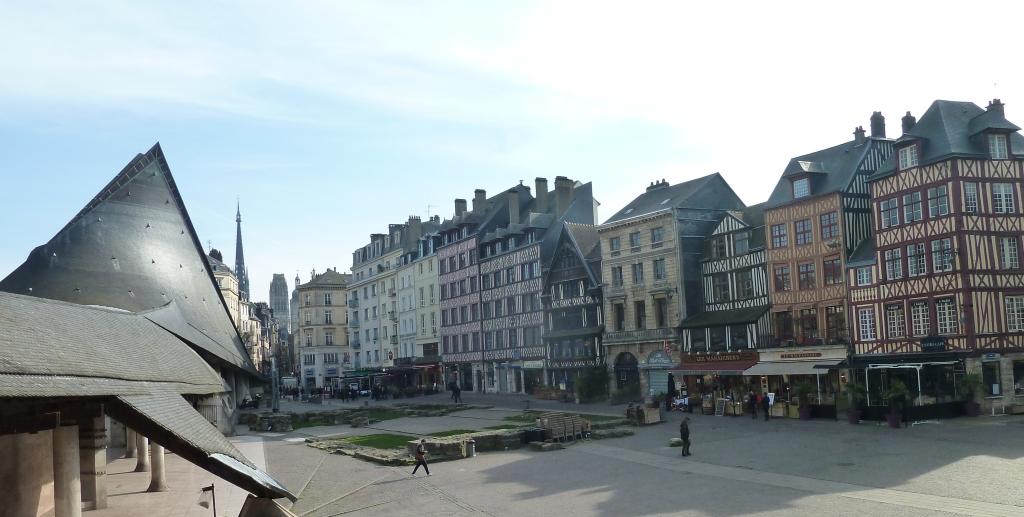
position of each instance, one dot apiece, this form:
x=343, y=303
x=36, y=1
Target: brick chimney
x=415, y=228
x=657, y=185
x=858, y=135
x=995, y=105
x=877, y=125
x=460, y=207
x=541, y=203
x=563, y=193
x=479, y=196
x=908, y=122
x=513, y=206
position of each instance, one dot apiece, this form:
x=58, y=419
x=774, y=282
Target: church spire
x=240, y=270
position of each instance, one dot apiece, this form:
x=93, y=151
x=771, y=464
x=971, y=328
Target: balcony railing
x=354, y=322
x=787, y=342
x=392, y=293
x=353, y=302
x=355, y=344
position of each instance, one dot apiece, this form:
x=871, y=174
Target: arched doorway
x=627, y=376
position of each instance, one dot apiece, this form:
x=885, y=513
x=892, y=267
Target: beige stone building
x=323, y=348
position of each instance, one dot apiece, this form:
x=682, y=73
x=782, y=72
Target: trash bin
x=535, y=434
x=471, y=448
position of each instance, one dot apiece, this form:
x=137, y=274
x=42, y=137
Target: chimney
x=460, y=207
x=995, y=105
x=513, y=207
x=415, y=228
x=479, y=196
x=908, y=122
x=877, y=125
x=657, y=184
x=563, y=193
x=858, y=135
x=542, y=195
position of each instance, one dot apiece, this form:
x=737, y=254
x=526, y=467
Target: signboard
x=533, y=365
x=745, y=355
x=332, y=372
x=660, y=359
x=933, y=344
x=771, y=399
x=391, y=355
x=800, y=355
x=720, y=407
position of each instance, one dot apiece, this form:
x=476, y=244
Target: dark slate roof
x=720, y=318
x=51, y=348
x=217, y=265
x=586, y=238
x=831, y=170
x=580, y=210
x=133, y=247
x=753, y=215
x=685, y=194
x=863, y=254
x=951, y=128
x=327, y=278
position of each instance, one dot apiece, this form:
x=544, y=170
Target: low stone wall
x=455, y=447
x=357, y=415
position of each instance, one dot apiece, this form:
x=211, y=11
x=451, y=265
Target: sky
x=329, y=120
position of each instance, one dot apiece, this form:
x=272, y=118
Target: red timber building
x=940, y=292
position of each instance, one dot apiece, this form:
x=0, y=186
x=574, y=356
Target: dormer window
x=801, y=188
x=908, y=157
x=997, y=147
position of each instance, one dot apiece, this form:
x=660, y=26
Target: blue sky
x=330, y=120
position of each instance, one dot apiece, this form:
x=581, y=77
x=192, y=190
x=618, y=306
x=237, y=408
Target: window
x=1014, y=313
x=866, y=318
x=829, y=226
x=803, y=229
x=619, y=312
x=741, y=242
x=657, y=235
x=893, y=264
x=639, y=315
x=614, y=244
x=1008, y=256
x=942, y=255
x=309, y=359
x=309, y=299
x=661, y=312
x=912, y=207
x=835, y=322
x=744, y=284
x=779, y=238
x=833, y=271
x=659, y=269
x=638, y=273
x=895, y=320
x=801, y=188
x=328, y=317
x=1002, y=198
x=997, y=147
x=945, y=313
x=782, y=280
x=971, y=198
x=720, y=287
x=1018, y=377
x=908, y=157
x=718, y=247
x=864, y=275
x=919, y=317
x=938, y=201
x=917, y=263
x=990, y=378
x=890, y=211
x=331, y=358
x=617, y=276
x=784, y=325
x=634, y=240
x=806, y=276
x=309, y=339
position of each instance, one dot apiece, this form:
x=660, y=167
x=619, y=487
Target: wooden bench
x=561, y=426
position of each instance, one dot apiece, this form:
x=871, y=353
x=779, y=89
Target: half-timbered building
x=572, y=307
x=735, y=286
x=940, y=291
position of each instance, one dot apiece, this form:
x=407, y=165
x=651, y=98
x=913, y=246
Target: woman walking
x=421, y=457
x=684, y=435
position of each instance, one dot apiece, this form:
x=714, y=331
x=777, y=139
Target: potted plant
x=971, y=385
x=855, y=393
x=803, y=391
x=896, y=397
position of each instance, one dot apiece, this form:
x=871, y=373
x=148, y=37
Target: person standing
x=684, y=435
x=766, y=405
x=458, y=394
x=752, y=404
x=421, y=457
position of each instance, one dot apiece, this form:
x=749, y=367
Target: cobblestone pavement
x=739, y=467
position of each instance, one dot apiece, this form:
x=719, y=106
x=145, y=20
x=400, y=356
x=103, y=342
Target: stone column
x=130, y=446
x=141, y=452
x=67, y=484
x=92, y=436
x=157, y=478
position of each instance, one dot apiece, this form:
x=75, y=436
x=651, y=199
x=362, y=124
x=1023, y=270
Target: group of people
x=759, y=401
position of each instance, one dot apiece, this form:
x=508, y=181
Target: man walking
x=752, y=403
x=684, y=435
x=421, y=457
x=766, y=405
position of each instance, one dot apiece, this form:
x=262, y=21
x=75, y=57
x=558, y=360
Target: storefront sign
x=933, y=344
x=659, y=359
x=801, y=355
x=533, y=365
x=720, y=358
x=332, y=372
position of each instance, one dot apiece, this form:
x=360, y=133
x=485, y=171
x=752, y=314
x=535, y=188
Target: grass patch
x=382, y=413
x=380, y=441
x=452, y=432
x=503, y=427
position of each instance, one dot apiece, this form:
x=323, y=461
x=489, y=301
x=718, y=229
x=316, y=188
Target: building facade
x=323, y=342
x=279, y=301
x=940, y=291
x=651, y=252
x=428, y=309
x=374, y=295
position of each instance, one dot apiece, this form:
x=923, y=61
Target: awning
x=791, y=367
x=714, y=367
x=862, y=361
x=169, y=420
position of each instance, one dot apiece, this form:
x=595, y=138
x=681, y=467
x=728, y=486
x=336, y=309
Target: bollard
x=471, y=448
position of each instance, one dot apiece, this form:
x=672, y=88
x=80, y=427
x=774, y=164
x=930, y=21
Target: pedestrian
x=752, y=404
x=458, y=394
x=766, y=405
x=684, y=435
x=421, y=457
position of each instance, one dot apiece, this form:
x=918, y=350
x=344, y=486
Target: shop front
x=779, y=371
x=458, y=369
x=716, y=376
x=932, y=379
x=656, y=367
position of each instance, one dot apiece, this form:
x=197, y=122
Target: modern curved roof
x=133, y=247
